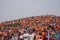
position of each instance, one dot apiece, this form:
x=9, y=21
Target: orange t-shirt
x=36, y=28
x=43, y=35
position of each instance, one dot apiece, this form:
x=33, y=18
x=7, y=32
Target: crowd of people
x=33, y=28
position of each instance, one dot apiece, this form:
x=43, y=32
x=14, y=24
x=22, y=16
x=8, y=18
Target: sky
x=16, y=9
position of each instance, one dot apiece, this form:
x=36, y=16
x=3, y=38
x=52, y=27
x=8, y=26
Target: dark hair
x=40, y=33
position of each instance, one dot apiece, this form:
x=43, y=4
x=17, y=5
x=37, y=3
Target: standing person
x=5, y=36
x=40, y=36
x=10, y=34
x=44, y=35
x=59, y=34
x=0, y=35
x=21, y=35
x=31, y=36
x=16, y=35
x=13, y=37
x=48, y=35
x=26, y=35
x=37, y=36
x=56, y=35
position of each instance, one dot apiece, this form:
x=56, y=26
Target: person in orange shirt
x=36, y=29
x=44, y=35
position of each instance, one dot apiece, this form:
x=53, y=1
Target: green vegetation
x=17, y=24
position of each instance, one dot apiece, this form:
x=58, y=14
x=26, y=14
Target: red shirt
x=43, y=34
x=58, y=27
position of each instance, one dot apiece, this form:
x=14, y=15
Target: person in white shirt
x=31, y=36
x=21, y=37
x=26, y=35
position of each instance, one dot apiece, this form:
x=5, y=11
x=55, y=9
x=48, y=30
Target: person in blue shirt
x=48, y=35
